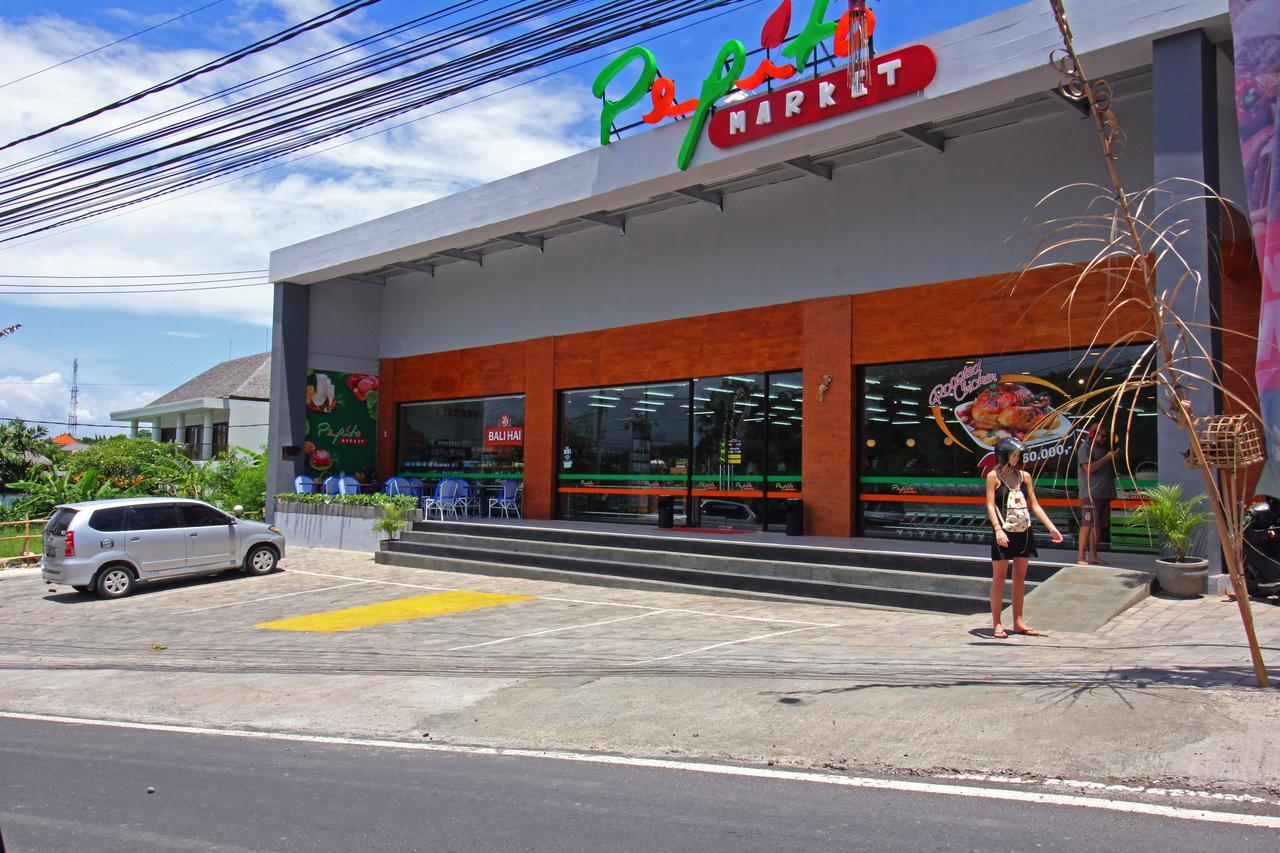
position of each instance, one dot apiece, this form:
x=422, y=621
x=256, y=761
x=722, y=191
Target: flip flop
x=1002, y=634
x=1030, y=632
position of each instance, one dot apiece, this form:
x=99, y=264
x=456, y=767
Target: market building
x=820, y=306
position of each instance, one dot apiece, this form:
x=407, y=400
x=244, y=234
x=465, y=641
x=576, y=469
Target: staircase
x=646, y=560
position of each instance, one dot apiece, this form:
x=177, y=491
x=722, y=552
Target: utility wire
x=292, y=32
x=113, y=44
x=157, y=275
x=275, y=130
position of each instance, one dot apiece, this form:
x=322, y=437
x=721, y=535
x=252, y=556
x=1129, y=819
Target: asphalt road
x=76, y=787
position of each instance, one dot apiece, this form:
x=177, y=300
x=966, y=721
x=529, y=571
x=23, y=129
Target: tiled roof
x=247, y=378
x=63, y=440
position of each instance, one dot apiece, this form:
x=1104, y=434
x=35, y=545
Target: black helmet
x=1261, y=515
x=1005, y=450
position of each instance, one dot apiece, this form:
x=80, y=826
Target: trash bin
x=666, y=511
x=795, y=517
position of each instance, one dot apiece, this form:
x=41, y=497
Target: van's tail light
x=70, y=550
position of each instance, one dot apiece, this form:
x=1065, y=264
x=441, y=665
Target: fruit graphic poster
x=342, y=424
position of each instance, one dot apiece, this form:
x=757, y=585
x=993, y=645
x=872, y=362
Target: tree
x=127, y=462
x=48, y=489
x=20, y=444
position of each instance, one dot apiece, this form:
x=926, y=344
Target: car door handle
x=135, y=538
x=193, y=534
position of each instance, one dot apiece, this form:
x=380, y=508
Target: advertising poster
x=1255, y=25
x=342, y=424
x=930, y=430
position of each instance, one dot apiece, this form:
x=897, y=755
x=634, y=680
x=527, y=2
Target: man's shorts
x=1094, y=510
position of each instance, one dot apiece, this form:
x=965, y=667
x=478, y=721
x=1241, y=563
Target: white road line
x=374, y=580
x=726, y=643
x=269, y=598
x=1125, y=806
x=554, y=630
x=1112, y=787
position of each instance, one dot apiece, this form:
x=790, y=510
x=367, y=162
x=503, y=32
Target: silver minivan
x=109, y=546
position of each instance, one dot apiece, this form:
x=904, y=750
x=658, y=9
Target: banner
x=1255, y=26
x=342, y=424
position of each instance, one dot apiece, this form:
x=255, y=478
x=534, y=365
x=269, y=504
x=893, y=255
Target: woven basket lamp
x=1230, y=442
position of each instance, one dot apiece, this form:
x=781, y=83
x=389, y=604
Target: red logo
x=504, y=434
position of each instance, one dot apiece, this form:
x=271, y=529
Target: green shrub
x=403, y=502
x=392, y=522
x=127, y=462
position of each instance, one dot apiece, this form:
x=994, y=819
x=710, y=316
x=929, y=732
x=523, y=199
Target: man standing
x=1097, y=483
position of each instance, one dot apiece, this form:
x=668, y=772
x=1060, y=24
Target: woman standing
x=1011, y=501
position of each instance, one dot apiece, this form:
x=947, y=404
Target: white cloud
x=235, y=225
x=47, y=398
x=186, y=334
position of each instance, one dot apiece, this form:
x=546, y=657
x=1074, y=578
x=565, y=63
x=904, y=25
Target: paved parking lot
x=339, y=644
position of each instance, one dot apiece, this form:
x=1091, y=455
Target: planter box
x=338, y=526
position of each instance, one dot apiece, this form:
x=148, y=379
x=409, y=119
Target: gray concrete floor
x=1161, y=693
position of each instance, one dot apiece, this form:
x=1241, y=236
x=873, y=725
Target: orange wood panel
x=539, y=429
x=828, y=438
x=990, y=314
x=475, y=372
x=748, y=341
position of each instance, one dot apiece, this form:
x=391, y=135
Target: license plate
x=48, y=552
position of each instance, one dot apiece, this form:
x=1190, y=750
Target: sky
x=134, y=348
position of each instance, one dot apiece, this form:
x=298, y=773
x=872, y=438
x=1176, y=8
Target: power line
x=290, y=119
x=143, y=285
x=119, y=425
x=285, y=35
x=157, y=275
x=113, y=291
x=113, y=44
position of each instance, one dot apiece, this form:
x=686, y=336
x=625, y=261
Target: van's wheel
x=261, y=560
x=83, y=590
x=114, y=582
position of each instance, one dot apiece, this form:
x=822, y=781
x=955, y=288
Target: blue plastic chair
x=330, y=485
x=445, y=498
x=348, y=485
x=304, y=485
x=399, y=486
x=508, y=501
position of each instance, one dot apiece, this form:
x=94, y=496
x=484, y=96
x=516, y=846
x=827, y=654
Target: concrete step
x=482, y=557
x=951, y=584
x=799, y=553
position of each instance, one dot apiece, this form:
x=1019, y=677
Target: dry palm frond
x=1129, y=237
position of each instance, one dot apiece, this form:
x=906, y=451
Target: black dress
x=1020, y=544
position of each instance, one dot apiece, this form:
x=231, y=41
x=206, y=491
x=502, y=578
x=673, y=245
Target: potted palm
x=391, y=523
x=1175, y=521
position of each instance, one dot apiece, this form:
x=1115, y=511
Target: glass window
x=621, y=448
x=154, y=517
x=479, y=440
x=220, y=436
x=192, y=439
x=168, y=435
x=59, y=522
x=725, y=448
x=729, y=426
x=108, y=520
x=929, y=430
x=198, y=515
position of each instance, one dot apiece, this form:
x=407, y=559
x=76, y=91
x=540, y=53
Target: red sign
x=892, y=75
x=504, y=434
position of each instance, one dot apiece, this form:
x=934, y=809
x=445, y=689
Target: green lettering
x=816, y=30
x=730, y=63
x=610, y=109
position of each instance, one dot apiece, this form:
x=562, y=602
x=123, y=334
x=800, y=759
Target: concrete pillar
x=206, y=436
x=179, y=432
x=133, y=428
x=290, y=346
x=1186, y=146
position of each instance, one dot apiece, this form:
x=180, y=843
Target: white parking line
x=908, y=786
x=726, y=643
x=270, y=597
x=586, y=601
x=554, y=630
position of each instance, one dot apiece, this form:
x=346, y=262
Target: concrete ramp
x=1082, y=599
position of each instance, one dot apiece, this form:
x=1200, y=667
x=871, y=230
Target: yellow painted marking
x=396, y=610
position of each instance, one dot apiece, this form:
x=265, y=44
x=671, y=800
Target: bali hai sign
x=867, y=80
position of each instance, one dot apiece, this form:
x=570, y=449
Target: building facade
x=829, y=312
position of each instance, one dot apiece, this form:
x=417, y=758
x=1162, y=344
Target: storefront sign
x=884, y=78
x=504, y=434
x=342, y=424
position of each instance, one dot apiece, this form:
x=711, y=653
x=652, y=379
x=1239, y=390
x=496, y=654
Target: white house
x=226, y=406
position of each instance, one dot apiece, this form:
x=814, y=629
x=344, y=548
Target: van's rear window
x=108, y=520
x=60, y=521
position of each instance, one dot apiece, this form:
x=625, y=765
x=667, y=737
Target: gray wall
x=346, y=326
x=908, y=219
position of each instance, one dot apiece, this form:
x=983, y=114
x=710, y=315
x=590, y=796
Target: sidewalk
x=1163, y=693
